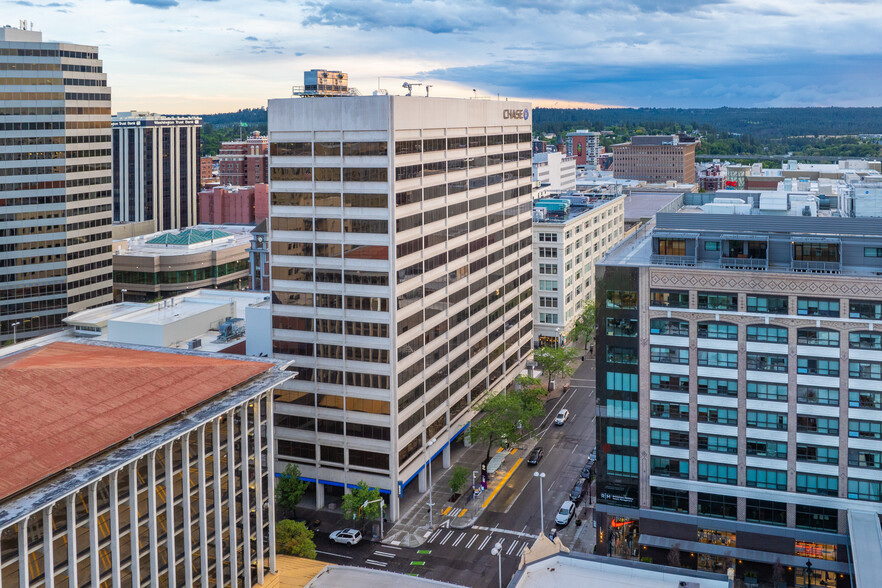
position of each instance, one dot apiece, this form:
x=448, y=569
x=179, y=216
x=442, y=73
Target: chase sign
x=516, y=114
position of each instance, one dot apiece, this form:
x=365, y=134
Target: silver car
x=346, y=536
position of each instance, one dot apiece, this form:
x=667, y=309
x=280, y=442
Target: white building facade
x=401, y=280
x=555, y=172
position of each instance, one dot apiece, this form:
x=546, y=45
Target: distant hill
x=251, y=116
x=761, y=123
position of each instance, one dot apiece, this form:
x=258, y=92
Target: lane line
x=472, y=540
x=334, y=554
x=498, y=530
x=502, y=482
x=384, y=554
x=382, y=564
x=458, y=539
x=393, y=547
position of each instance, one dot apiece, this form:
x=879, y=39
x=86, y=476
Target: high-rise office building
x=400, y=235
x=156, y=170
x=55, y=201
x=739, y=363
x=656, y=159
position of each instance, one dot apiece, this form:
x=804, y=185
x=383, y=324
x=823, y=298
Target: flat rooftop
x=644, y=205
x=575, y=211
x=62, y=403
x=349, y=576
x=197, y=239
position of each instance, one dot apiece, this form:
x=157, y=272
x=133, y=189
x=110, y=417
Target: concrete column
x=271, y=489
x=170, y=512
x=133, y=525
x=114, y=530
x=319, y=495
x=394, y=505
x=246, y=499
x=258, y=489
x=203, y=523
x=93, y=532
x=48, y=551
x=185, y=503
x=151, y=519
x=72, y=571
x=421, y=481
x=791, y=514
x=231, y=498
x=445, y=457
x=24, y=558
x=218, y=508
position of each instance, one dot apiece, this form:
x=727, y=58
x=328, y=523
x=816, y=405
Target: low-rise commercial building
x=554, y=171
x=238, y=205
x=656, y=159
x=152, y=470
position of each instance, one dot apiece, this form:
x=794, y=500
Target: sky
x=206, y=56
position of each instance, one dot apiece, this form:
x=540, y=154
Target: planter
x=454, y=498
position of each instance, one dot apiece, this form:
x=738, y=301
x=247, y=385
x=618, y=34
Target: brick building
x=237, y=205
x=243, y=163
x=656, y=159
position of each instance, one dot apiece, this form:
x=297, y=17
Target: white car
x=347, y=536
x=561, y=417
x=565, y=514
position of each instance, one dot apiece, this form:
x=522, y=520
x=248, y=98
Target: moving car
x=347, y=536
x=535, y=456
x=561, y=417
x=578, y=490
x=565, y=514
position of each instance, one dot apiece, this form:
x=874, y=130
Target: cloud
x=250, y=38
x=161, y=4
x=49, y=5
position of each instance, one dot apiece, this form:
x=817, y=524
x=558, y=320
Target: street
x=463, y=556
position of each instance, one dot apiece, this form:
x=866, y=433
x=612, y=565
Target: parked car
x=578, y=491
x=535, y=456
x=561, y=417
x=586, y=470
x=592, y=457
x=346, y=536
x=565, y=514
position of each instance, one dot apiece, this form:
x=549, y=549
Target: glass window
x=864, y=458
x=817, y=307
x=622, y=436
x=766, y=512
x=716, y=415
x=672, y=327
x=817, y=366
x=364, y=148
x=718, y=506
x=616, y=327
x=621, y=465
x=767, y=334
x=407, y=147
x=625, y=355
x=767, y=304
x=763, y=478
x=717, y=472
x=816, y=252
x=366, y=200
x=818, y=337
x=671, y=246
x=817, y=395
x=864, y=429
x=671, y=500
x=669, y=467
x=816, y=517
x=865, y=340
x=617, y=298
x=669, y=382
x=718, y=443
x=621, y=382
x=714, y=301
x=669, y=410
x=769, y=449
x=711, y=245
x=817, y=484
x=817, y=453
x=767, y=420
x=766, y=362
x=721, y=359
x=621, y=409
x=767, y=391
x=302, y=149
x=865, y=309
x=675, y=355
x=816, y=424
x=865, y=399
x=865, y=370
x=670, y=299
x=712, y=330
x=865, y=490
x=717, y=386
x=669, y=438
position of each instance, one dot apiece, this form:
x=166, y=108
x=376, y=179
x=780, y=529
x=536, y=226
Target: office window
x=767, y=334
x=766, y=391
x=669, y=410
x=817, y=395
x=717, y=472
x=624, y=355
x=818, y=337
x=622, y=299
x=548, y=318
x=622, y=465
x=669, y=467
x=865, y=340
x=766, y=512
x=817, y=454
x=719, y=416
x=548, y=285
x=718, y=506
x=864, y=429
x=817, y=484
x=717, y=386
x=548, y=268
x=865, y=489
x=864, y=458
x=712, y=330
x=622, y=436
x=817, y=518
x=711, y=245
x=718, y=443
x=865, y=309
x=865, y=399
x=621, y=409
x=763, y=478
x=670, y=500
x=872, y=251
x=817, y=366
x=669, y=382
x=714, y=301
x=865, y=370
x=675, y=355
x=767, y=304
x=621, y=382
x=616, y=327
x=817, y=307
x=768, y=449
x=767, y=420
x=669, y=299
x=671, y=327
x=548, y=237
x=669, y=438
x=766, y=362
x=815, y=424
x=721, y=359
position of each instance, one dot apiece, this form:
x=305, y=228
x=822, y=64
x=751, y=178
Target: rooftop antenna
x=475, y=91
x=409, y=87
x=427, y=89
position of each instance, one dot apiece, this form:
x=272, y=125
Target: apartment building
x=656, y=159
x=739, y=363
x=55, y=201
x=156, y=169
x=570, y=235
x=152, y=472
x=243, y=163
x=585, y=147
x=400, y=229
x=555, y=172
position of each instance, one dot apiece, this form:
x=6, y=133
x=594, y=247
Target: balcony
x=681, y=260
x=752, y=263
x=820, y=267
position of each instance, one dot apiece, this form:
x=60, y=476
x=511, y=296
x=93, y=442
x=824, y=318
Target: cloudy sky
x=195, y=56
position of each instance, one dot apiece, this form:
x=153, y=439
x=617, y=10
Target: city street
x=463, y=556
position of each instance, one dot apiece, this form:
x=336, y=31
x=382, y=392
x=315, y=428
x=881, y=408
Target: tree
x=506, y=417
x=353, y=503
x=556, y=362
x=293, y=538
x=290, y=488
x=458, y=478
x=585, y=325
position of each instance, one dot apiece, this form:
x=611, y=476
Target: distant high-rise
x=243, y=163
x=584, y=146
x=155, y=171
x=55, y=191
x=656, y=159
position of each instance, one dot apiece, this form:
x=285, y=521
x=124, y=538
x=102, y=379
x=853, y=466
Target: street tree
x=353, y=503
x=530, y=388
x=290, y=488
x=458, y=478
x=293, y=538
x=506, y=418
x=556, y=361
x=585, y=324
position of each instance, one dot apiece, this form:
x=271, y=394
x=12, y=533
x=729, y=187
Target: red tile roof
x=65, y=402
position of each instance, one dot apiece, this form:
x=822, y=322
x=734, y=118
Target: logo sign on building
x=730, y=185
x=516, y=114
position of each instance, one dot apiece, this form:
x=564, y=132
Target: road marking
x=498, y=530
x=462, y=512
x=434, y=535
x=472, y=540
x=424, y=552
x=521, y=550
x=446, y=537
x=384, y=554
x=458, y=539
x=427, y=533
x=574, y=449
x=373, y=562
x=396, y=543
x=511, y=548
x=334, y=554
x=512, y=452
x=502, y=483
x=483, y=543
x=417, y=563
x=501, y=544
x=446, y=510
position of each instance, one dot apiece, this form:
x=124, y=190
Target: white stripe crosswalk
x=511, y=546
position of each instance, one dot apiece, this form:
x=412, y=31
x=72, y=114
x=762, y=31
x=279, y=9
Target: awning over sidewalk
x=496, y=461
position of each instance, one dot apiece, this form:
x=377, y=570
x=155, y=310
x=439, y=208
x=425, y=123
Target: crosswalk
x=454, y=512
x=481, y=538
x=386, y=552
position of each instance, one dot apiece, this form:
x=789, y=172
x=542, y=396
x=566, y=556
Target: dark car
x=578, y=490
x=586, y=471
x=535, y=456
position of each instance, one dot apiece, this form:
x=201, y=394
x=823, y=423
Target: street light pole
x=14, y=332
x=123, y=292
x=497, y=551
x=429, y=468
x=541, y=501
x=382, y=505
